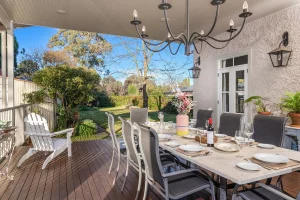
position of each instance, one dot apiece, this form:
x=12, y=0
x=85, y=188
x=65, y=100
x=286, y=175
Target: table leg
x=223, y=188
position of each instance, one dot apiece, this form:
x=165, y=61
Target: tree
x=16, y=51
x=132, y=90
x=111, y=86
x=132, y=79
x=54, y=58
x=146, y=65
x=88, y=49
x=185, y=82
x=26, y=69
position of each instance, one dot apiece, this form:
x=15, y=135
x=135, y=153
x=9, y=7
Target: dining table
x=224, y=164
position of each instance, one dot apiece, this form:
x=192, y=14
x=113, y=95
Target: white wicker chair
x=37, y=128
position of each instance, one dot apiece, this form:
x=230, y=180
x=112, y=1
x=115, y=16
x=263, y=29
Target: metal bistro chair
x=118, y=144
x=230, y=122
x=38, y=130
x=202, y=116
x=269, y=129
x=138, y=115
x=133, y=155
x=174, y=185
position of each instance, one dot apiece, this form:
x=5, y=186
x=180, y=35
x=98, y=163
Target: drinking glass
x=248, y=131
x=206, y=124
x=238, y=135
x=200, y=130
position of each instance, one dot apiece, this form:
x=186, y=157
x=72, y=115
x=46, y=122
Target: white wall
x=260, y=37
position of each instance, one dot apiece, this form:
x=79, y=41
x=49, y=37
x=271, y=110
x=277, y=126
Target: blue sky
x=35, y=37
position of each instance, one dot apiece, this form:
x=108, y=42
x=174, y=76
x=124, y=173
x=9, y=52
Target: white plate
x=266, y=146
x=220, y=135
x=172, y=144
x=271, y=158
x=243, y=139
x=248, y=166
x=162, y=136
x=189, y=136
x=228, y=147
x=191, y=148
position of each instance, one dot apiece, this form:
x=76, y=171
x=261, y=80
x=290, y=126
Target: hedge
x=154, y=102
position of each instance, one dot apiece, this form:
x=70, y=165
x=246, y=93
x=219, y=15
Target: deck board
x=82, y=176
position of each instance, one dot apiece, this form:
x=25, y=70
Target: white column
x=10, y=65
x=3, y=65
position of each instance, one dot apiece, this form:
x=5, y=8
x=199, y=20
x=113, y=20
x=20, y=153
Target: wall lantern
x=281, y=55
x=195, y=70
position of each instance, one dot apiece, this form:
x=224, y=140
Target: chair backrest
x=111, y=126
x=230, y=122
x=202, y=116
x=148, y=141
x=269, y=129
x=128, y=135
x=138, y=115
x=36, y=126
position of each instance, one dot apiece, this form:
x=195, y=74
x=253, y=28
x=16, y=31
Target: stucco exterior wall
x=258, y=37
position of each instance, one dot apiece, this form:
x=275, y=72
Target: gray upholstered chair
x=133, y=155
x=269, y=129
x=262, y=192
x=202, y=116
x=230, y=122
x=117, y=144
x=174, y=185
x=138, y=115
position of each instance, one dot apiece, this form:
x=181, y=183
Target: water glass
x=238, y=139
x=199, y=132
x=248, y=131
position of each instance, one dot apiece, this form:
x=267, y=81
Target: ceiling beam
x=4, y=18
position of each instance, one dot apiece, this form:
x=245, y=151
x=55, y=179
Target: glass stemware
x=238, y=135
x=200, y=130
x=248, y=131
x=206, y=124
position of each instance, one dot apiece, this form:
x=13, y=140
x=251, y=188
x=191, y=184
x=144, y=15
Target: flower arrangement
x=183, y=103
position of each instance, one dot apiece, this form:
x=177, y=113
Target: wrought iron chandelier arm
x=195, y=47
x=145, y=41
x=215, y=22
x=218, y=47
x=231, y=38
x=181, y=36
x=157, y=50
x=176, y=49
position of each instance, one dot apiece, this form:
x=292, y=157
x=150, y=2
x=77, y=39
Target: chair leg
x=48, y=159
x=118, y=167
x=140, y=180
x=112, y=161
x=29, y=153
x=126, y=174
x=146, y=188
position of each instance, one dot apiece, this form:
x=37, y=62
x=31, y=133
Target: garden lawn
x=99, y=117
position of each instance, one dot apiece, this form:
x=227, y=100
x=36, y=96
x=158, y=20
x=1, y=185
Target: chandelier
x=185, y=38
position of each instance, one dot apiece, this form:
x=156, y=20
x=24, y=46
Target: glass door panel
x=239, y=91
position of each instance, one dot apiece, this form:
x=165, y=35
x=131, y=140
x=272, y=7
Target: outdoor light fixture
x=281, y=55
x=195, y=70
x=185, y=37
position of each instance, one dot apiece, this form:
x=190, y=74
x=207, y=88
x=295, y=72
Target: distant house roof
x=187, y=89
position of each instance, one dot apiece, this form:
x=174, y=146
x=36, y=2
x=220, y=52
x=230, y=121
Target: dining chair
x=117, y=145
x=262, y=192
x=133, y=155
x=202, y=116
x=174, y=185
x=138, y=115
x=269, y=129
x=230, y=122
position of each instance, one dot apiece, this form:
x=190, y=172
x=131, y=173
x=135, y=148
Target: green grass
x=98, y=116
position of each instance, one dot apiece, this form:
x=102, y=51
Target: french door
x=232, y=86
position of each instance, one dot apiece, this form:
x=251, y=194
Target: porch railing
x=17, y=114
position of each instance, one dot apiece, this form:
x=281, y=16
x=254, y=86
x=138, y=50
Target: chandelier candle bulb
x=169, y=35
x=245, y=7
x=202, y=32
x=231, y=23
x=135, y=14
x=144, y=29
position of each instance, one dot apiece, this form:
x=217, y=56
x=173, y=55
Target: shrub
x=85, y=108
x=85, y=128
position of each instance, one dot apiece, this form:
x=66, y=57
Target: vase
x=295, y=119
x=182, y=124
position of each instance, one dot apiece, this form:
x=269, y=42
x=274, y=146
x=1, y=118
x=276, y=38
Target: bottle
x=210, y=134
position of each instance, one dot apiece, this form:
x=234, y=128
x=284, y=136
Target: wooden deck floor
x=83, y=176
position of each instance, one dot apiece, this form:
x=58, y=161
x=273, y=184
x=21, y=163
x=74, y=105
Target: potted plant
x=291, y=103
x=183, y=104
x=260, y=103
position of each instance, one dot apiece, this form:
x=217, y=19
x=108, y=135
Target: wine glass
x=160, y=115
x=248, y=131
x=238, y=135
x=200, y=130
x=147, y=121
x=206, y=124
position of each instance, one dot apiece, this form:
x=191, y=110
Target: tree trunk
x=145, y=96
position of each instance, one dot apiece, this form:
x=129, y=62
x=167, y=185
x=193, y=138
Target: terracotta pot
x=182, y=124
x=264, y=113
x=295, y=118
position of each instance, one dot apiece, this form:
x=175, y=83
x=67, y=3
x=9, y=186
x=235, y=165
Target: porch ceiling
x=113, y=16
